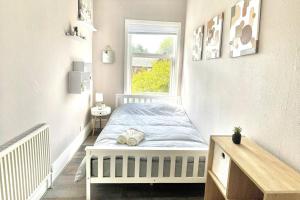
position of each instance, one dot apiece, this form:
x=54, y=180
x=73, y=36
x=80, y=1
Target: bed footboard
x=166, y=161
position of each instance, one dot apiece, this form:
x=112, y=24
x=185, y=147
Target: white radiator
x=25, y=165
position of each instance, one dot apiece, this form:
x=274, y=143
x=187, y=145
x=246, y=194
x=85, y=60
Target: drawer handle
x=223, y=155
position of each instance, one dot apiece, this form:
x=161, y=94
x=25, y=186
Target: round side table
x=99, y=112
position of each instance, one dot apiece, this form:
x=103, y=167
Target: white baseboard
x=59, y=164
x=41, y=189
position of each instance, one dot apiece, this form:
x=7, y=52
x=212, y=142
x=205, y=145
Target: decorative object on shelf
x=236, y=137
x=85, y=10
x=107, y=55
x=214, y=37
x=74, y=32
x=99, y=100
x=198, y=43
x=244, y=28
x=80, y=78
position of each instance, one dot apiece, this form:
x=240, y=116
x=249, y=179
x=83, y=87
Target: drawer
x=220, y=165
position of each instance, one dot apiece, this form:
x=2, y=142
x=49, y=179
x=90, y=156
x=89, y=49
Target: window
x=151, y=57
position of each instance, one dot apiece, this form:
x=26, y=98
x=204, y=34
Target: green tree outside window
x=157, y=78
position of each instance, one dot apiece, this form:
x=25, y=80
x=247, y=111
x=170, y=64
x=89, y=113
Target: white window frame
x=174, y=75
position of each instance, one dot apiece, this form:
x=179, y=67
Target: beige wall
x=35, y=58
x=261, y=92
x=109, y=19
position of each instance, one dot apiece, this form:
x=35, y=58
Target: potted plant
x=236, y=137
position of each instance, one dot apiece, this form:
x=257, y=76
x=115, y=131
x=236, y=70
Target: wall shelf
x=75, y=37
x=82, y=28
x=86, y=25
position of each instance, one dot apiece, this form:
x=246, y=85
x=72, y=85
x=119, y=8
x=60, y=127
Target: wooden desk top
x=265, y=170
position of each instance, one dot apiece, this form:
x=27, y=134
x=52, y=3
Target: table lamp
x=99, y=100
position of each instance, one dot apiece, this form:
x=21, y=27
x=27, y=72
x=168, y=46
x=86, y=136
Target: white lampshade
x=99, y=97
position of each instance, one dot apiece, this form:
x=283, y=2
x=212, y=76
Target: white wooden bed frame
x=142, y=152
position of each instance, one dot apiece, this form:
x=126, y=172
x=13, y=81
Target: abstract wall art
x=198, y=43
x=214, y=37
x=85, y=10
x=244, y=28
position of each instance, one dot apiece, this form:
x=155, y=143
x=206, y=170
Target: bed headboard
x=128, y=98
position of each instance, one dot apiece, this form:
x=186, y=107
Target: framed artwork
x=85, y=10
x=214, y=37
x=244, y=28
x=198, y=43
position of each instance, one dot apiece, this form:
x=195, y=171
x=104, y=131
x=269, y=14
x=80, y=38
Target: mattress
x=164, y=125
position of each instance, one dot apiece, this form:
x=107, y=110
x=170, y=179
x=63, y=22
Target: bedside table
x=98, y=112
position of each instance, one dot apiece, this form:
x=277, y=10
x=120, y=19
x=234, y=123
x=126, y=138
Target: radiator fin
x=25, y=164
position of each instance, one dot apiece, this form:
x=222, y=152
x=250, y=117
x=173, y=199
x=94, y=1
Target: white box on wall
x=79, y=82
x=82, y=66
x=80, y=77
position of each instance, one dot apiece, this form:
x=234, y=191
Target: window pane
x=150, y=75
x=154, y=44
x=151, y=62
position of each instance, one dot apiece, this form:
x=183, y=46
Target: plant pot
x=236, y=138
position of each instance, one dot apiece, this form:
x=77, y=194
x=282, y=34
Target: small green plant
x=237, y=136
x=237, y=129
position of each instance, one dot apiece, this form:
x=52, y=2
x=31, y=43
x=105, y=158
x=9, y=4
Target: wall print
x=198, y=43
x=85, y=9
x=214, y=37
x=244, y=28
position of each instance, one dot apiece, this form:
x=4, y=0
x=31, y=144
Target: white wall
x=109, y=19
x=35, y=58
x=260, y=93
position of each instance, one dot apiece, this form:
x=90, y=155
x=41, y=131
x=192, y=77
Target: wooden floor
x=65, y=188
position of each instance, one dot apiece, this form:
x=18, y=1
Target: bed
x=173, y=151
